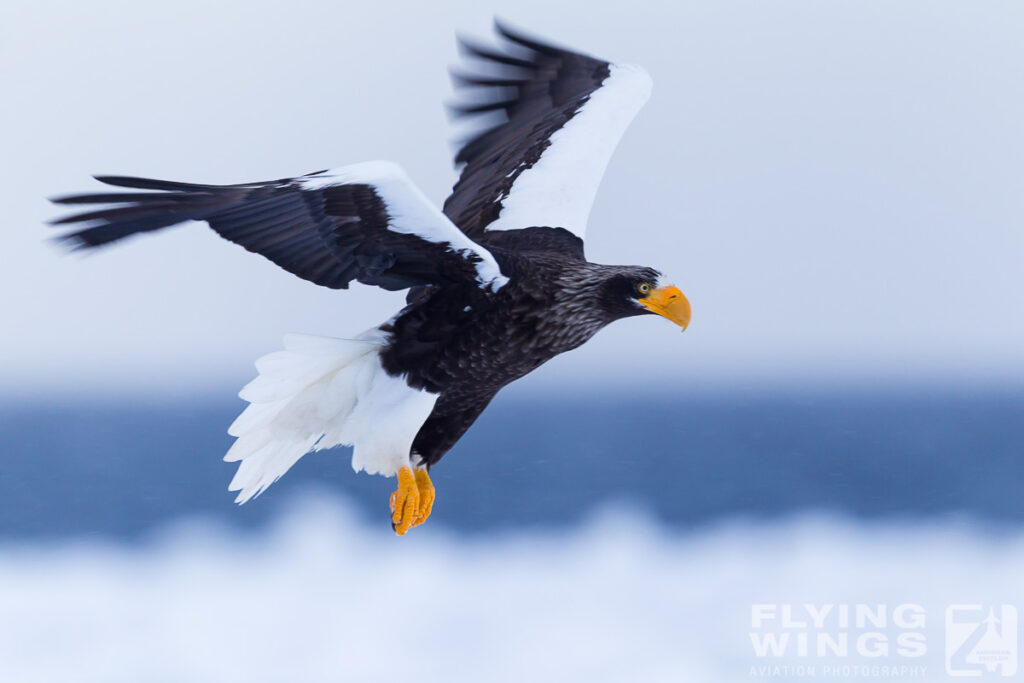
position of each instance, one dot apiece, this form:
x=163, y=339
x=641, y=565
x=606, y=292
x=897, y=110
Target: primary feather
x=366, y=222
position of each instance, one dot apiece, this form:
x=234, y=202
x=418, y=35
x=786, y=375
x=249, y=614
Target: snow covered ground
x=325, y=595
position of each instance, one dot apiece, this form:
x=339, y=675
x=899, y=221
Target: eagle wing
x=560, y=115
x=366, y=222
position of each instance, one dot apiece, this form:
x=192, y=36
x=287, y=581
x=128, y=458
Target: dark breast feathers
x=466, y=344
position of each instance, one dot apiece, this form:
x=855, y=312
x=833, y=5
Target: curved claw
x=405, y=502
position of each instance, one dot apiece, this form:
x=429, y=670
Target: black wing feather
x=535, y=239
x=329, y=235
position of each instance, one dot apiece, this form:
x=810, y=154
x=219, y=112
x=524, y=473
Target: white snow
x=559, y=189
x=410, y=211
x=323, y=596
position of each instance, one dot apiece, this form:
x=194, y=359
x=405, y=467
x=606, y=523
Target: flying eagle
x=498, y=282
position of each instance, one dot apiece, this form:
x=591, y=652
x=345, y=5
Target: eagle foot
x=412, y=501
x=426, y=488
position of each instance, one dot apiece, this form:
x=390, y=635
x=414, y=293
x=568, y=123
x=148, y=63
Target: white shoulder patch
x=410, y=212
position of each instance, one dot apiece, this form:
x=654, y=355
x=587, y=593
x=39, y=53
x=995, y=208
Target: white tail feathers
x=318, y=393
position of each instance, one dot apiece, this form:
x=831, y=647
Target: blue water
x=120, y=470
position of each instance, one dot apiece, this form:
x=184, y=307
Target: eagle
x=497, y=279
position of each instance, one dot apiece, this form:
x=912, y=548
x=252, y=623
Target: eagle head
x=638, y=290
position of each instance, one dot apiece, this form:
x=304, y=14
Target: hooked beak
x=670, y=303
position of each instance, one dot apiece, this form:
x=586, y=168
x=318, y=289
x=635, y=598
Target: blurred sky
x=836, y=186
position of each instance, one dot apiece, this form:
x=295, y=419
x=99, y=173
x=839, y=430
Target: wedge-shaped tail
x=318, y=393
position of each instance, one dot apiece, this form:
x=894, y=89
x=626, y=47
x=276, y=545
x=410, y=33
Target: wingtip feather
x=521, y=38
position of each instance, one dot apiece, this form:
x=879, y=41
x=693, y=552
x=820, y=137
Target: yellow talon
x=405, y=502
x=426, y=489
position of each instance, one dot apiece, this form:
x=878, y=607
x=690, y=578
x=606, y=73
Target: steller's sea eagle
x=498, y=283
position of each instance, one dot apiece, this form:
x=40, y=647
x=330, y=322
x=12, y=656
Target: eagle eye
x=644, y=288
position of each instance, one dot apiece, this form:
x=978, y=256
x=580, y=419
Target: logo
x=981, y=640
x=838, y=640
x=838, y=630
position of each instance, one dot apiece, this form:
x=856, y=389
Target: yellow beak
x=670, y=303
